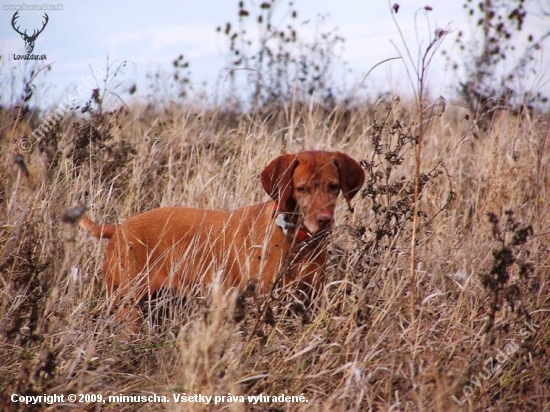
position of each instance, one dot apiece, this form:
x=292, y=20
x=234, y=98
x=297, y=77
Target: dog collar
x=289, y=228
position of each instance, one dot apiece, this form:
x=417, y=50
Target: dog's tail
x=101, y=231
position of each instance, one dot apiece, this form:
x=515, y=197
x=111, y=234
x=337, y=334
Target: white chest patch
x=285, y=224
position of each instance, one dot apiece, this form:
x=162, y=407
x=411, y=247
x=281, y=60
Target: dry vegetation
x=478, y=280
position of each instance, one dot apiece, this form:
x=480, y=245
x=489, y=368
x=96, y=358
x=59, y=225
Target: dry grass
x=357, y=350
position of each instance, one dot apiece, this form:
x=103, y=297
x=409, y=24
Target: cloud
x=194, y=41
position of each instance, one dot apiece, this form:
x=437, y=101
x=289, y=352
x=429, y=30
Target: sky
x=82, y=37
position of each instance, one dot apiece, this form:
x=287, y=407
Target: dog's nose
x=324, y=220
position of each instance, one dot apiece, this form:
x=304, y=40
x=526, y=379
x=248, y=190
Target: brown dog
x=280, y=240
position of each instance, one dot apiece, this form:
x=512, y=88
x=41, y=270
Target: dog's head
x=308, y=184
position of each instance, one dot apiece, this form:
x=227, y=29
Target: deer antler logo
x=29, y=40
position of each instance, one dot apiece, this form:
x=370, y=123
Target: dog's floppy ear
x=352, y=176
x=277, y=179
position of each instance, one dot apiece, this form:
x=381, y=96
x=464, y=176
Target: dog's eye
x=333, y=187
x=301, y=189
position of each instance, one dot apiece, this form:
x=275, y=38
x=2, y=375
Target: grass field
x=478, y=328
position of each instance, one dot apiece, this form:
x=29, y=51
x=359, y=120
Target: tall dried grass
x=357, y=349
